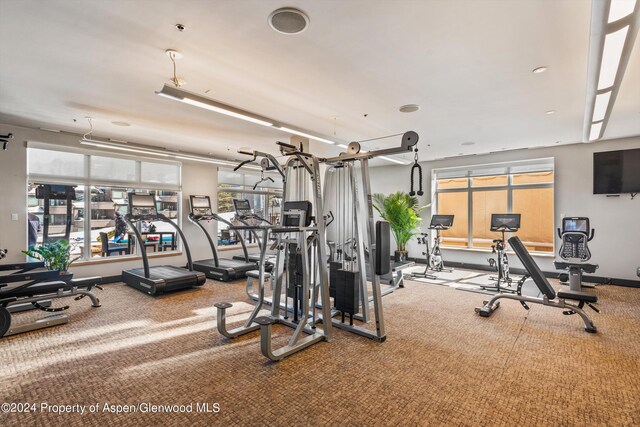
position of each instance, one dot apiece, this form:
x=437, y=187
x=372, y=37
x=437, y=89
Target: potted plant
x=56, y=256
x=401, y=212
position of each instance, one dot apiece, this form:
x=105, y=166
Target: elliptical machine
x=434, y=258
x=503, y=223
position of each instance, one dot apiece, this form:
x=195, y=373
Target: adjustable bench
x=550, y=298
x=34, y=288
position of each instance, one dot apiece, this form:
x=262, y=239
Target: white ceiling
x=467, y=63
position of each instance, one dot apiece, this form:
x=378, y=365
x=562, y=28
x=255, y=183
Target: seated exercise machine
x=549, y=298
x=216, y=268
x=37, y=288
x=503, y=223
x=434, y=257
x=157, y=279
x=574, y=250
x=246, y=216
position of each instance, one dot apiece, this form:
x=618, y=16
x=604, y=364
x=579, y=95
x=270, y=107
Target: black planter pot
x=399, y=256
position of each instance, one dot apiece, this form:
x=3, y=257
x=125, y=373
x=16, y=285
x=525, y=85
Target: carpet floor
x=441, y=365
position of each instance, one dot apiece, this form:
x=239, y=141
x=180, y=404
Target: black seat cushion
x=577, y=296
x=587, y=268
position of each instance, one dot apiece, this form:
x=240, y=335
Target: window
x=473, y=193
x=99, y=206
x=264, y=198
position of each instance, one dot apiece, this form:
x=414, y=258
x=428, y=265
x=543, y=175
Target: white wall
x=197, y=178
x=616, y=245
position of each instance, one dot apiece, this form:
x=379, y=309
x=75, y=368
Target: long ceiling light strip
x=209, y=104
x=154, y=152
x=306, y=135
x=614, y=27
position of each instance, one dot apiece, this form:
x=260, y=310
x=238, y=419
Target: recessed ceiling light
x=551, y=112
x=288, y=20
x=539, y=70
x=468, y=143
x=409, y=108
x=121, y=123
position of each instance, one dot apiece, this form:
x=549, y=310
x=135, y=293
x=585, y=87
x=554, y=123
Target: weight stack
x=334, y=277
x=347, y=291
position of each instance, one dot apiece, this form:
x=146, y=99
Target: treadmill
x=246, y=216
x=158, y=279
x=217, y=268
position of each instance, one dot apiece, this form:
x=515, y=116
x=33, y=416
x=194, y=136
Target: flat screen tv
x=616, y=172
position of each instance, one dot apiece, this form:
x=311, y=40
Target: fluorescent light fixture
x=297, y=132
x=620, y=8
x=121, y=148
x=600, y=108
x=389, y=159
x=343, y=146
x=154, y=152
x=613, y=45
x=220, y=110
x=211, y=105
x=595, y=131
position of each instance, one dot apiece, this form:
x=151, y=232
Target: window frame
x=544, y=165
x=87, y=181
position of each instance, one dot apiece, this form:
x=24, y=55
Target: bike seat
x=498, y=241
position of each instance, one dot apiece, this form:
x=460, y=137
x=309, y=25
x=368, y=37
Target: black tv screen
x=616, y=172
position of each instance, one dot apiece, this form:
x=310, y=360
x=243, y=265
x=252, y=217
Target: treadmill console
x=505, y=222
x=242, y=207
x=200, y=206
x=142, y=206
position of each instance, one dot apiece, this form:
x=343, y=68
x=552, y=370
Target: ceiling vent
x=288, y=20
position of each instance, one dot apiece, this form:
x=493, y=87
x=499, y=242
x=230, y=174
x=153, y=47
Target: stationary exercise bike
x=433, y=258
x=502, y=223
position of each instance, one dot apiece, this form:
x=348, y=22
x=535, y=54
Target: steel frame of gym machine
x=364, y=229
x=296, y=229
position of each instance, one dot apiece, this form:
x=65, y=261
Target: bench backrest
x=532, y=268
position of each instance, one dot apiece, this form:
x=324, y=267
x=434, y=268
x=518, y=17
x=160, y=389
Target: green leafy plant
x=401, y=211
x=56, y=256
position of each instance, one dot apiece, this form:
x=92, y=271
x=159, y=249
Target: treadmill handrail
x=196, y=220
x=218, y=218
x=184, y=241
x=143, y=251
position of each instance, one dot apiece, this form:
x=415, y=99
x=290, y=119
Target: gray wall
x=616, y=245
x=197, y=178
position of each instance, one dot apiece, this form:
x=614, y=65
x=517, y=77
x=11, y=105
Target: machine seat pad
x=587, y=268
x=256, y=274
x=577, y=296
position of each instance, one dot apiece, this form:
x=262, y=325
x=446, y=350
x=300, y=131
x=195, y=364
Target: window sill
x=488, y=251
x=124, y=258
x=236, y=247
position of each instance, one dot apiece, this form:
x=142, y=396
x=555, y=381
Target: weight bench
x=550, y=297
x=37, y=287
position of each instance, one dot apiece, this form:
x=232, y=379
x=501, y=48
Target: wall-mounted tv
x=616, y=172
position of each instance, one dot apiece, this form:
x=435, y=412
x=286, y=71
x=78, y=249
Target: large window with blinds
x=473, y=193
x=91, y=218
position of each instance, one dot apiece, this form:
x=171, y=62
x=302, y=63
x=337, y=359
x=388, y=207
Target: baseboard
x=106, y=280
x=553, y=274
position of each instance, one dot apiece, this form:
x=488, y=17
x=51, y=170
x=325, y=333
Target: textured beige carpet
x=441, y=365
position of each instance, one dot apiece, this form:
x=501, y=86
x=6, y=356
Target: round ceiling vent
x=288, y=20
